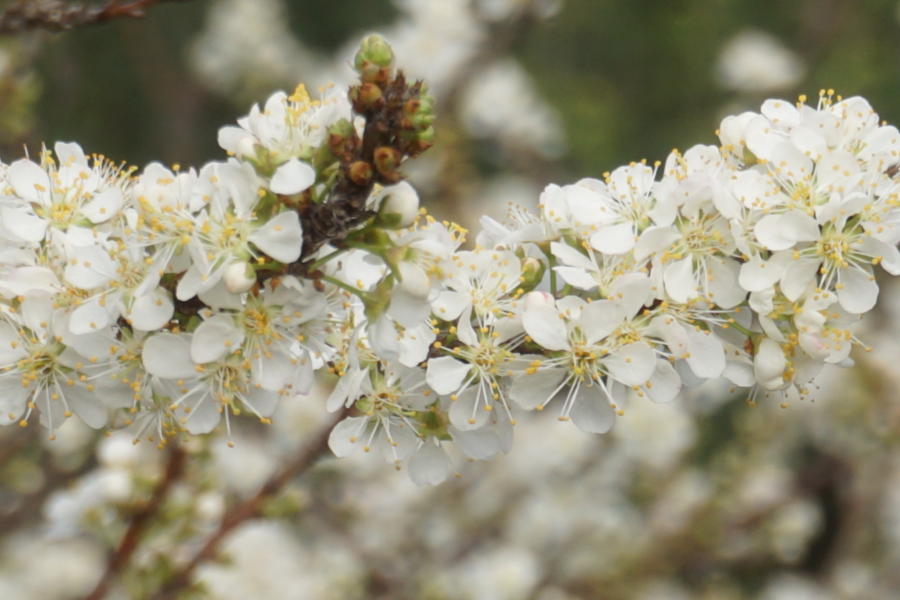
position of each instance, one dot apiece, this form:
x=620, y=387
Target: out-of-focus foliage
x=704, y=498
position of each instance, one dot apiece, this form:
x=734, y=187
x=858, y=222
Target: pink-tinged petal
x=429, y=465
x=707, y=355
x=859, y=291
x=679, y=280
x=546, y=327
x=632, y=364
x=168, y=356
x=216, y=338
x=616, y=239
x=30, y=182
x=22, y=225
x=292, y=177
x=536, y=389
x=591, y=412
x=152, y=311
x=798, y=275
x=281, y=237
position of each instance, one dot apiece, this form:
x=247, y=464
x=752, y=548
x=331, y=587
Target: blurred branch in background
x=55, y=15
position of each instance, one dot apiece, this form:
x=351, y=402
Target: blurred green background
x=629, y=79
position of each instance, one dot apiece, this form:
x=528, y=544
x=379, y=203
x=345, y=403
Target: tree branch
x=55, y=15
x=308, y=456
x=132, y=538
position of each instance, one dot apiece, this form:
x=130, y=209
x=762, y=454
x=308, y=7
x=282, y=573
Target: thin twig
x=132, y=538
x=308, y=456
x=55, y=15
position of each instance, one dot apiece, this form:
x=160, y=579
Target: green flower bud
x=375, y=50
x=532, y=273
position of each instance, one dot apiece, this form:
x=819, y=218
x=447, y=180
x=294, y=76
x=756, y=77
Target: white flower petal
x=104, y=206
x=168, y=356
x=30, y=182
x=152, y=311
x=215, y=338
x=859, y=291
x=591, y=411
x=445, y=374
x=632, y=364
x=536, y=389
x=617, y=239
x=292, y=177
x=429, y=465
x=546, y=327
x=281, y=237
x=480, y=444
x=22, y=225
x=707, y=355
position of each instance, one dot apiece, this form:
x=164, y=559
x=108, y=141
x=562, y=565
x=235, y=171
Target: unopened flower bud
x=532, y=273
x=373, y=49
x=399, y=206
x=338, y=136
x=360, y=172
x=366, y=96
x=386, y=159
x=414, y=281
x=239, y=277
x=536, y=299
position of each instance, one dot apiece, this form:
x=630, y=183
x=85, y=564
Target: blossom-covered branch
x=168, y=301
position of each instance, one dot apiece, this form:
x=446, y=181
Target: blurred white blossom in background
x=755, y=61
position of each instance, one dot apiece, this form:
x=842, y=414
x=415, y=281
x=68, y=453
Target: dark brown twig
x=132, y=538
x=55, y=15
x=307, y=457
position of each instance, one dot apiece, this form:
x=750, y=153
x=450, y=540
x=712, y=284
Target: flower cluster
x=168, y=300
